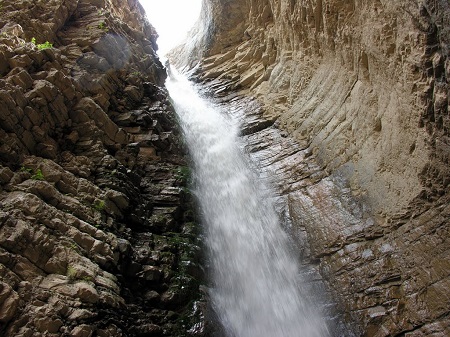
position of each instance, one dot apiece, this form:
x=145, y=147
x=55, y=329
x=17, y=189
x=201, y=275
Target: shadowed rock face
x=362, y=88
x=96, y=229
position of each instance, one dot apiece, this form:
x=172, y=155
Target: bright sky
x=172, y=20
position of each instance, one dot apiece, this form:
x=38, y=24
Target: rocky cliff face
x=362, y=87
x=96, y=228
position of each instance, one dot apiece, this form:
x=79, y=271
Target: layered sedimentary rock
x=362, y=87
x=96, y=227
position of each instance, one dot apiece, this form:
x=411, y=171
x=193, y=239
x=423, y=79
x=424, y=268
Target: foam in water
x=257, y=288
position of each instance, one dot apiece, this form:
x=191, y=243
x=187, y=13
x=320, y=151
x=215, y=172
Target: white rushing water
x=257, y=290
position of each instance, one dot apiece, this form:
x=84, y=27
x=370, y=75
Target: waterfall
x=256, y=280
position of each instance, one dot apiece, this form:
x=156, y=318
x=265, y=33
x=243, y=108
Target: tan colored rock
x=22, y=79
x=80, y=314
x=83, y=330
x=52, y=281
x=80, y=290
x=57, y=263
x=90, y=110
x=327, y=89
x=134, y=93
x=108, y=282
x=119, y=199
x=112, y=300
x=48, y=324
x=9, y=302
x=27, y=270
x=20, y=61
x=5, y=175
x=360, y=87
x=42, y=189
x=78, y=165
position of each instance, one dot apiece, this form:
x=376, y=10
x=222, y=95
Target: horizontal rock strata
x=362, y=87
x=97, y=230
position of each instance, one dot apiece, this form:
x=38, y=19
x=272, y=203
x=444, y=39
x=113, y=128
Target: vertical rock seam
x=97, y=230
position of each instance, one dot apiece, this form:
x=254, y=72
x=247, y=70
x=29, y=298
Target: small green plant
x=45, y=45
x=25, y=169
x=102, y=26
x=41, y=46
x=72, y=246
x=38, y=175
x=87, y=279
x=71, y=272
x=184, y=174
x=99, y=205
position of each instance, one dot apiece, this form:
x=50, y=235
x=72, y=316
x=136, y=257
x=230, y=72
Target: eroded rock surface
x=97, y=231
x=362, y=87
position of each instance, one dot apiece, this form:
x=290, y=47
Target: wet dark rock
x=91, y=209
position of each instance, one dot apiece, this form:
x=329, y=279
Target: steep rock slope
x=363, y=87
x=96, y=228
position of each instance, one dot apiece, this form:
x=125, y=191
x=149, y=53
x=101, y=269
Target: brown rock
x=362, y=88
x=83, y=330
x=134, y=93
x=22, y=79
x=20, y=61
x=80, y=314
x=4, y=67
x=150, y=273
x=119, y=199
x=62, y=256
x=42, y=189
x=5, y=175
x=77, y=165
x=48, y=324
x=52, y=281
x=9, y=302
x=149, y=330
x=80, y=290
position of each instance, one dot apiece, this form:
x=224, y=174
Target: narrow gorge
x=342, y=110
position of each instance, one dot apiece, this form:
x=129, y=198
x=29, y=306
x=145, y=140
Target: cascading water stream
x=257, y=288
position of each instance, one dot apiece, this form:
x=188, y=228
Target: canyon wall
x=97, y=231
x=362, y=86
